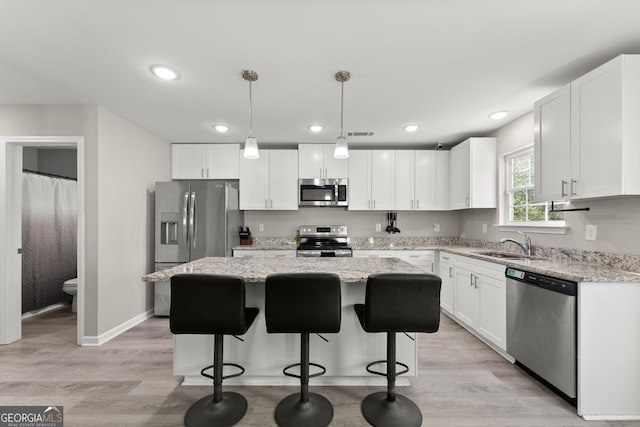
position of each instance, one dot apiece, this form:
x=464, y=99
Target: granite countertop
x=563, y=269
x=352, y=270
x=574, y=265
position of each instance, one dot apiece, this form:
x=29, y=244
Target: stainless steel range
x=324, y=241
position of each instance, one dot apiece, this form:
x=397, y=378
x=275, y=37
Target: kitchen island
x=265, y=355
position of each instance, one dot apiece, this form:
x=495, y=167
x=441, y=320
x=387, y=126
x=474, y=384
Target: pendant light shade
x=251, y=148
x=251, y=143
x=342, y=149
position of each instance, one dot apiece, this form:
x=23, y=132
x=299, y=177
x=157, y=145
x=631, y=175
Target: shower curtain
x=49, y=228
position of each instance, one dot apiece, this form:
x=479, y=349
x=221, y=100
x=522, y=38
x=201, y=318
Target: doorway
x=11, y=148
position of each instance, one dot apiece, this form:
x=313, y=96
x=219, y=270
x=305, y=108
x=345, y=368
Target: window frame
x=545, y=226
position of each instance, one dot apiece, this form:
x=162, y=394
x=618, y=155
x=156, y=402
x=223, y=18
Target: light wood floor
x=128, y=382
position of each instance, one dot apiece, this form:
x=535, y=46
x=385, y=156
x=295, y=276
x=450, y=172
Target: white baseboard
x=114, y=332
x=249, y=380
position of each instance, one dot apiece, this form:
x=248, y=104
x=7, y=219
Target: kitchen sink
x=507, y=255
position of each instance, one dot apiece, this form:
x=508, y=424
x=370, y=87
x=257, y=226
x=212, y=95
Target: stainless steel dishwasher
x=541, y=327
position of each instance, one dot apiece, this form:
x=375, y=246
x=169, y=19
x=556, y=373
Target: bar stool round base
x=228, y=412
x=292, y=412
x=380, y=412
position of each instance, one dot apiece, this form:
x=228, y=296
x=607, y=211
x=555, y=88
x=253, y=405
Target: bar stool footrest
x=317, y=374
x=384, y=374
x=204, y=374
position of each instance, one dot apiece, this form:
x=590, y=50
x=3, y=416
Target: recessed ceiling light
x=315, y=128
x=221, y=128
x=410, y=128
x=498, y=115
x=164, y=72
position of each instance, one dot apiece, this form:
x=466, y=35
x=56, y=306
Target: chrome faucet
x=526, y=246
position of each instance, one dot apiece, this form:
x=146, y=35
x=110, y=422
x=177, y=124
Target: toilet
x=71, y=288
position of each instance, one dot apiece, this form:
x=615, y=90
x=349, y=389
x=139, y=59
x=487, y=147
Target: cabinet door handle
x=562, y=188
x=573, y=187
x=201, y=172
x=432, y=267
x=471, y=279
x=417, y=204
x=368, y=204
x=266, y=204
x=450, y=271
x=271, y=203
x=374, y=203
x=207, y=172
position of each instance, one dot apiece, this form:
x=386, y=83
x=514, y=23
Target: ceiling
x=444, y=65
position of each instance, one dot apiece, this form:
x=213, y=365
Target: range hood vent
x=360, y=133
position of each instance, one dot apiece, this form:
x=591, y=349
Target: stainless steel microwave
x=323, y=192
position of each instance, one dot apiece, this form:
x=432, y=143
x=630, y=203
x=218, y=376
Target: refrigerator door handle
x=192, y=218
x=184, y=216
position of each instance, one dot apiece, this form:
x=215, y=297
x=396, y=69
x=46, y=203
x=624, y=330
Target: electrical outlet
x=591, y=232
x=260, y=227
x=436, y=227
x=484, y=228
x=378, y=227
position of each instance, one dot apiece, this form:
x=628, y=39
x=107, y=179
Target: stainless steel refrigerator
x=194, y=219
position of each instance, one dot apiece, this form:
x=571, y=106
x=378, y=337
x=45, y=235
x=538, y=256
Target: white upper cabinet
x=605, y=129
x=415, y=181
x=270, y=182
x=473, y=174
x=317, y=161
x=359, y=180
x=205, y=161
x=587, y=135
x=371, y=180
x=442, y=186
x=552, y=145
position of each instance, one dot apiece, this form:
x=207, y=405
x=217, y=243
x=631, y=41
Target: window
x=521, y=204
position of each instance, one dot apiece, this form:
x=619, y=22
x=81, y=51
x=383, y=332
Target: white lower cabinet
x=426, y=260
x=248, y=253
x=280, y=253
x=266, y=253
x=366, y=253
x=445, y=269
x=479, y=300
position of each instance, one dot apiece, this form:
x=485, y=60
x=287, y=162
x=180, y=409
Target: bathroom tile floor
x=128, y=382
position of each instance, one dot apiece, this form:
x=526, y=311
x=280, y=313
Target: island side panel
x=609, y=350
x=264, y=355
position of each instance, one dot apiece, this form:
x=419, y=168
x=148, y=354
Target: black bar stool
x=303, y=303
x=397, y=302
x=212, y=305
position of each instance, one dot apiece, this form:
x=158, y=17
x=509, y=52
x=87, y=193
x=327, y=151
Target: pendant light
x=251, y=144
x=342, y=150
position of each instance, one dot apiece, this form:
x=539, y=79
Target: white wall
x=617, y=219
x=131, y=160
x=122, y=162
x=66, y=120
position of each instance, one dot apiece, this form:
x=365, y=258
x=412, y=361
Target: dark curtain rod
x=49, y=175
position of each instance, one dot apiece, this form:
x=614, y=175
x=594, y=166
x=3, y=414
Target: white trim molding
x=534, y=228
x=94, y=341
